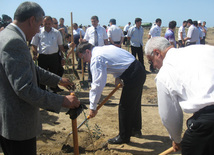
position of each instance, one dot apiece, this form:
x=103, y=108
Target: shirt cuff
x=93, y=106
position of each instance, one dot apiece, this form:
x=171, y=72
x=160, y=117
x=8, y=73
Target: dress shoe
x=137, y=134
x=118, y=140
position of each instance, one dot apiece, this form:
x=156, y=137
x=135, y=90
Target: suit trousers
x=199, y=136
x=49, y=62
x=130, y=101
x=138, y=51
x=12, y=147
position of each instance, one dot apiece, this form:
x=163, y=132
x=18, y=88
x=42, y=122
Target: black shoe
x=137, y=134
x=118, y=140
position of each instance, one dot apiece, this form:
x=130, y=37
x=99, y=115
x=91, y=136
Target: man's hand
x=71, y=101
x=92, y=113
x=117, y=81
x=65, y=82
x=176, y=146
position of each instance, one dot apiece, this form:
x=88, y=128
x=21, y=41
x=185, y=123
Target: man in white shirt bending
x=123, y=65
x=185, y=82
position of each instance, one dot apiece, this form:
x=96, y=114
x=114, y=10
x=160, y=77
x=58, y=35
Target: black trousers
x=202, y=41
x=50, y=63
x=130, y=101
x=180, y=43
x=199, y=137
x=12, y=147
x=138, y=51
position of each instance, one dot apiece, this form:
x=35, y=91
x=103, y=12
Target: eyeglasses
x=150, y=60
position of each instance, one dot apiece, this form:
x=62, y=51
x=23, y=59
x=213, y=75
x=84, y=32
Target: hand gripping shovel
x=65, y=146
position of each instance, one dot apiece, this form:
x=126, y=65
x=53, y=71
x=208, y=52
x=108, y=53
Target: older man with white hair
x=185, y=83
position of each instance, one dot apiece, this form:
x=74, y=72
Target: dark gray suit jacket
x=20, y=96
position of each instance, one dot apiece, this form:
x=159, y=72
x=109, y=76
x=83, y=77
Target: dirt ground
x=93, y=136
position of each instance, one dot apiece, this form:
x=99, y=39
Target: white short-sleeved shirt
x=47, y=42
x=105, y=60
x=187, y=86
x=193, y=34
x=115, y=33
x=126, y=28
x=102, y=35
x=181, y=30
x=155, y=31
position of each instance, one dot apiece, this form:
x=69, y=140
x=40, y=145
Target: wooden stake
x=75, y=134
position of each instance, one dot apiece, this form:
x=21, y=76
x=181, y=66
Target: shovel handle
x=107, y=98
x=170, y=150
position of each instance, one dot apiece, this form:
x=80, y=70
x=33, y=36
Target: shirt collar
x=19, y=30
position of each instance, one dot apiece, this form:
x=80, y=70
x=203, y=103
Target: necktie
x=95, y=37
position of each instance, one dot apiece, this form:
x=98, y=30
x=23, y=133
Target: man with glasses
x=186, y=86
x=126, y=68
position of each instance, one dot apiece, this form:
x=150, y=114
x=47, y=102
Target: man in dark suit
x=20, y=96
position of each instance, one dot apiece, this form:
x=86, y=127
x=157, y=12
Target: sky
x=123, y=11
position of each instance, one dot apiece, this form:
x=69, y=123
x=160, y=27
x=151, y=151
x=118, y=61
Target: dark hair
x=138, y=20
x=61, y=19
x=95, y=17
x=75, y=24
x=189, y=21
x=172, y=24
x=27, y=10
x=48, y=18
x=195, y=23
x=184, y=21
x=157, y=20
x=113, y=21
x=83, y=46
x=67, y=36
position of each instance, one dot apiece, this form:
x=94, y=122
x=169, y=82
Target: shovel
x=72, y=50
x=65, y=146
x=100, y=105
x=83, y=83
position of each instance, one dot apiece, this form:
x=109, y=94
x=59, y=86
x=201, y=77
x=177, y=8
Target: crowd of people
x=186, y=86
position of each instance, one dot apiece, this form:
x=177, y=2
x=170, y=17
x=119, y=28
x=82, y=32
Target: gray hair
x=27, y=10
x=159, y=43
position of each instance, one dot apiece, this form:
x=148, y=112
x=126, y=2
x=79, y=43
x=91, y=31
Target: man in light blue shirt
x=135, y=35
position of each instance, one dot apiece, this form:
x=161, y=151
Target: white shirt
x=77, y=32
x=181, y=30
x=193, y=33
x=115, y=33
x=105, y=60
x=102, y=35
x=126, y=28
x=155, y=31
x=185, y=82
x=47, y=42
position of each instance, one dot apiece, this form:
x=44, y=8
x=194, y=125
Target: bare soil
x=93, y=136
